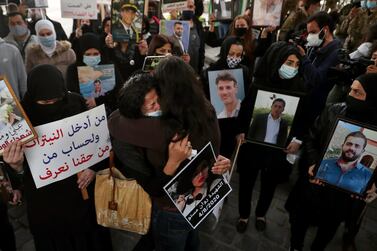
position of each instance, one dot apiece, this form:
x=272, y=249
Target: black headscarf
x=46, y=82
x=267, y=70
x=88, y=41
x=225, y=47
x=364, y=111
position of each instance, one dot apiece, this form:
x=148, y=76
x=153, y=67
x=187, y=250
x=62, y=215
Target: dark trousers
x=7, y=238
x=250, y=162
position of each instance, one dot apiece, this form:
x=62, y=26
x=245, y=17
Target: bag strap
x=113, y=205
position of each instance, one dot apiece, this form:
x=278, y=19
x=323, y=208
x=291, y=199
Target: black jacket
x=258, y=129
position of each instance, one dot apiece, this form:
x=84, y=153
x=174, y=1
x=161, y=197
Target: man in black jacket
x=309, y=203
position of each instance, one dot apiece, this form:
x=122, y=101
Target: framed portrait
x=3, y=2
x=14, y=123
x=96, y=81
x=222, y=9
x=350, y=157
x=227, y=90
x=173, y=5
x=267, y=12
x=151, y=62
x=127, y=20
x=195, y=190
x=178, y=32
x=272, y=117
x=31, y=4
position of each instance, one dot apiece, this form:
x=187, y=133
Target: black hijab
x=225, y=47
x=86, y=42
x=46, y=82
x=364, y=111
x=267, y=70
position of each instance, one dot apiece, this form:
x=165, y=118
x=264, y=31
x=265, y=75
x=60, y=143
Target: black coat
x=258, y=129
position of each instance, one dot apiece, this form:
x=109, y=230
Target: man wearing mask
x=196, y=42
x=321, y=54
x=19, y=34
x=38, y=14
x=309, y=203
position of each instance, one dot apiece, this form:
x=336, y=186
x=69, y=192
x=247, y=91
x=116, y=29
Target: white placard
x=68, y=146
x=108, y=2
x=171, y=5
x=79, y=9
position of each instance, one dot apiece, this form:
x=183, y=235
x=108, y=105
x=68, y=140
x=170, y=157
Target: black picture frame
x=259, y=115
x=217, y=10
x=263, y=18
x=341, y=129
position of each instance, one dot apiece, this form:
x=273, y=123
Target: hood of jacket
x=61, y=47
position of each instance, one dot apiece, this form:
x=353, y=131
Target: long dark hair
x=182, y=102
x=248, y=39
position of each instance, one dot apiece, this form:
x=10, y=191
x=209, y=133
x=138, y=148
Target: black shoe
x=242, y=226
x=260, y=224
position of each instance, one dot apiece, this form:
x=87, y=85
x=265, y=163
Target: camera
x=347, y=69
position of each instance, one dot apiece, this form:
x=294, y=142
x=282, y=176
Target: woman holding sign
x=59, y=217
x=152, y=149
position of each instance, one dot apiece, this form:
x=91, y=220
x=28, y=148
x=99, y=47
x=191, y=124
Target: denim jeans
x=172, y=232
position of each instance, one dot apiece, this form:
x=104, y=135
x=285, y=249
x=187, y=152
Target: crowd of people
x=157, y=119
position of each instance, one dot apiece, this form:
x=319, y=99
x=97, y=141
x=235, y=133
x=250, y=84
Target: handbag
x=121, y=203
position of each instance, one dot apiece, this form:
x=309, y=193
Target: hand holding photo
x=350, y=158
x=195, y=190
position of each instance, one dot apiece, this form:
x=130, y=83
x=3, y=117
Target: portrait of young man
x=270, y=127
x=227, y=89
x=346, y=171
x=125, y=26
x=177, y=37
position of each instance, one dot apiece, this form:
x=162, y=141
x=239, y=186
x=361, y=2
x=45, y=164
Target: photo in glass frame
x=267, y=12
x=350, y=158
x=273, y=115
x=14, y=123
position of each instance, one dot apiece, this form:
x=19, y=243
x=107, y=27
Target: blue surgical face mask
x=371, y=4
x=18, y=30
x=47, y=41
x=287, y=72
x=154, y=114
x=92, y=60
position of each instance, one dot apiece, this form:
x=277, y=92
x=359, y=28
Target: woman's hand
x=311, y=176
x=109, y=41
x=85, y=178
x=178, y=152
x=221, y=165
x=143, y=47
x=293, y=147
x=240, y=138
x=13, y=155
x=91, y=103
x=16, y=200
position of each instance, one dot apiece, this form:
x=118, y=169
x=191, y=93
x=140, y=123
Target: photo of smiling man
x=347, y=171
x=227, y=92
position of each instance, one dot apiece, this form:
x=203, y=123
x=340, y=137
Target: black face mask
x=240, y=31
x=360, y=110
x=47, y=113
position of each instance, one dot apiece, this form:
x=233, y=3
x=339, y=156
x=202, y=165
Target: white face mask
x=154, y=114
x=314, y=40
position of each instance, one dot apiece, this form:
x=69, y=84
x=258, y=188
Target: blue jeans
x=172, y=232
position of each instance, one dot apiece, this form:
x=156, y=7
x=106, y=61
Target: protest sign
x=127, y=20
x=14, y=124
x=68, y=146
x=108, y=2
x=171, y=5
x=96, y=81
x=79, y=9
x=195, y=190
x=32, y=4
